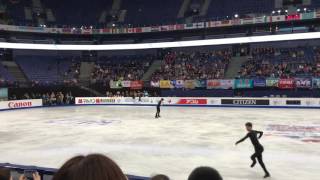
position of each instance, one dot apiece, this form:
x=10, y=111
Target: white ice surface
x=181, y=140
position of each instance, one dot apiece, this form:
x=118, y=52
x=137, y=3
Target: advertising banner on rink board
x=303, y=83
x=246, y=102
x=178, y=101
x=243, y=83
x=192, y=101
x=316, y=82
x=165, y=84
x=220, y=84
x=20, y=104
x=286, y=83
x=272, y=82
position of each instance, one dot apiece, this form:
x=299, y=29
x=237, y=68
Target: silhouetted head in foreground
x=91, y=167
x=160, y=177
x=5, y=174
x=204, y=173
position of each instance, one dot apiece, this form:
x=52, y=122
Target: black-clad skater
x=258, y=148
x=158, y=108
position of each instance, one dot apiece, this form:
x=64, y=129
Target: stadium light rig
x=177, y=44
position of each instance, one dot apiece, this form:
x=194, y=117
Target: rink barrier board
x=204, y=102
x=20, y=104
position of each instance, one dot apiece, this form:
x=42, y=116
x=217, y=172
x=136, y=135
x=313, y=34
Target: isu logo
x=13, y=105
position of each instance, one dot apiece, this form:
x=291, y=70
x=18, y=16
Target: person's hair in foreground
x=160, y=177
x=5, y=174
x=204, y=173
x=91, y=167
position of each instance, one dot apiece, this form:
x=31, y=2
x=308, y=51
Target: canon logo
x=19, y=104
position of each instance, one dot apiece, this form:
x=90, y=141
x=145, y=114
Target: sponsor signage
x=192, y=101
x=286, y=83
x=245, y=102
x=185, y=101
x=20, y=104
x=293, y=102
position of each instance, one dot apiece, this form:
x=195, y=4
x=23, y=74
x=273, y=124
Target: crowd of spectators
x=194, y=65
x=282, y=63
x=100, y=167
x=130, y=93
x=49, y=98
x=126, y=68
x=71, y=76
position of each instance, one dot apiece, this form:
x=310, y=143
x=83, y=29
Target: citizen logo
x=245, y=102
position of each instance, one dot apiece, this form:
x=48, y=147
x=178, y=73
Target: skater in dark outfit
x=258, y=148
x=158, y=108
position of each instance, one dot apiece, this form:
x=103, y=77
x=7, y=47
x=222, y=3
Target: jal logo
x=192, y=101
x=80, y=101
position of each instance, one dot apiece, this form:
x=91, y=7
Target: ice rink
x=181, y=140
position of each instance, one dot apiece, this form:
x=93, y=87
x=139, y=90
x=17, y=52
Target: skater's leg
x=158, y=113
x=253, y=158
x=260, y=160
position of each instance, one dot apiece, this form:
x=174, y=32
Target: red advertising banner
x=193, y=101
x=136, y=85
x=286, y=83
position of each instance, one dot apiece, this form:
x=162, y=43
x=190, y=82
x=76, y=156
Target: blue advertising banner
x=259, y=82
x=178, y=83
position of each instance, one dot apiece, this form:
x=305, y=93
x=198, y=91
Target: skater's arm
x=260, y=134
x=241, y=140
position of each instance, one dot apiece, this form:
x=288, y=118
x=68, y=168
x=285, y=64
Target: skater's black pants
x=158, y=112
x=258, y=155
